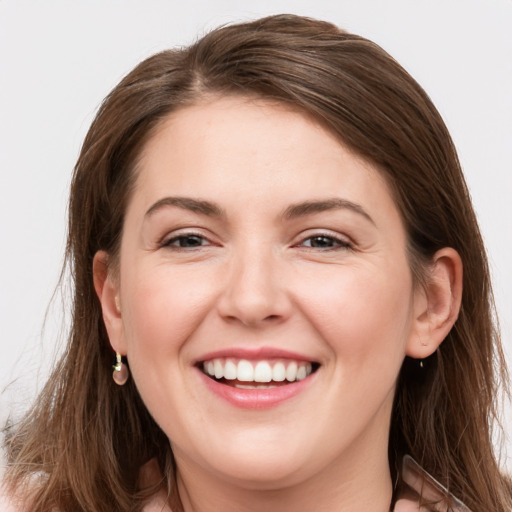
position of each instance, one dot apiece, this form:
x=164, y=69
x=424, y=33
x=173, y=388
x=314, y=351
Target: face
x=266, y=300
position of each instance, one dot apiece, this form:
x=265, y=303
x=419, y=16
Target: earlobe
x=437, y=304
x=107, y=290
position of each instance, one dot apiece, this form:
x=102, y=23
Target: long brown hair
x=84, y=441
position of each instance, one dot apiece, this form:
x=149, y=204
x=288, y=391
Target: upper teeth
x=257, y=371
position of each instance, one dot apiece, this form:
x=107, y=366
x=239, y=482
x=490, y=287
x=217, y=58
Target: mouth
x=257, y=374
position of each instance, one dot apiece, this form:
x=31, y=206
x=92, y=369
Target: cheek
x=364, y=314
x=163, y=308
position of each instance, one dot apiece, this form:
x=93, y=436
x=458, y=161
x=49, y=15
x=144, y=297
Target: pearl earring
x=120, y=373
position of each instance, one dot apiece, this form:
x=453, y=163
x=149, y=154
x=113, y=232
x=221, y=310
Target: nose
x=254, y=292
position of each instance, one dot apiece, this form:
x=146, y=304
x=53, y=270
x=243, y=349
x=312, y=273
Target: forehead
x=240, y=125
x=233, y=146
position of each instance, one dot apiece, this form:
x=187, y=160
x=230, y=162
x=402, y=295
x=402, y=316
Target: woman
x=271, y=232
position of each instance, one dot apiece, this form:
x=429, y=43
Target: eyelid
x=166, y=240
x=171, y=241
x=344, y=241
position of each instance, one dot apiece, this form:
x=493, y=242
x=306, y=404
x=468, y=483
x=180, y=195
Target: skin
x=334, y=286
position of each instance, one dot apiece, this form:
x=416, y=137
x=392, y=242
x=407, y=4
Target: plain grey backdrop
x=58, y=59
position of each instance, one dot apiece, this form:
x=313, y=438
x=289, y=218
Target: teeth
x=291, y=372
x=260, y=371
x=245, y=371
x=218, y=368
x=230, y=370
x=278, y=372
x=259, y=386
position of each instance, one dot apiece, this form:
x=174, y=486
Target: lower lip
x=256, y=398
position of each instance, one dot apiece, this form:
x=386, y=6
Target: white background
x=58, y=59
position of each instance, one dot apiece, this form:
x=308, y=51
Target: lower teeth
x=260, y=386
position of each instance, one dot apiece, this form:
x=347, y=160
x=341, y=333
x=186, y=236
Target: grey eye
x=321, y=242
x=324, y=242
x=187, y=241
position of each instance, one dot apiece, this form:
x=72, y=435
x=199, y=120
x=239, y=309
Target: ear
x=107, y=289
x=436, y=304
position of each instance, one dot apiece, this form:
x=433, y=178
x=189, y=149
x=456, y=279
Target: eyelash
x=169, y=243
x=337, y=243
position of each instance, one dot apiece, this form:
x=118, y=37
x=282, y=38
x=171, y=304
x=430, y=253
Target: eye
x=325, y=242
x=186, y=241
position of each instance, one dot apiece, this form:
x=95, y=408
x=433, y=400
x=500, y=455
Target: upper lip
x=256, y=353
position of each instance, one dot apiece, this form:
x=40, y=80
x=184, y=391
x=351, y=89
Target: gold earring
x=120, y=373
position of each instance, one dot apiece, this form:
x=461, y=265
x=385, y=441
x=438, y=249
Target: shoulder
x=157, y=504
x=406, y=505
x=420, y=483
x=7, y=504
x=150, y=475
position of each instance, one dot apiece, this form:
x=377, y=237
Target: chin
x=270, y=473
x=263, y=459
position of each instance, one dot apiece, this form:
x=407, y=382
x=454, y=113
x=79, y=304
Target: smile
x=240, y=372
x=256, y=378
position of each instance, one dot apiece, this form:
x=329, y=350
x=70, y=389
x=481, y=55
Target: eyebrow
x=311, y=207
x=293, y=211
x=187, y=203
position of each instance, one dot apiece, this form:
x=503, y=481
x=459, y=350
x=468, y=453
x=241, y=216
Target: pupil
x=321, y=241
x=190, y=241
